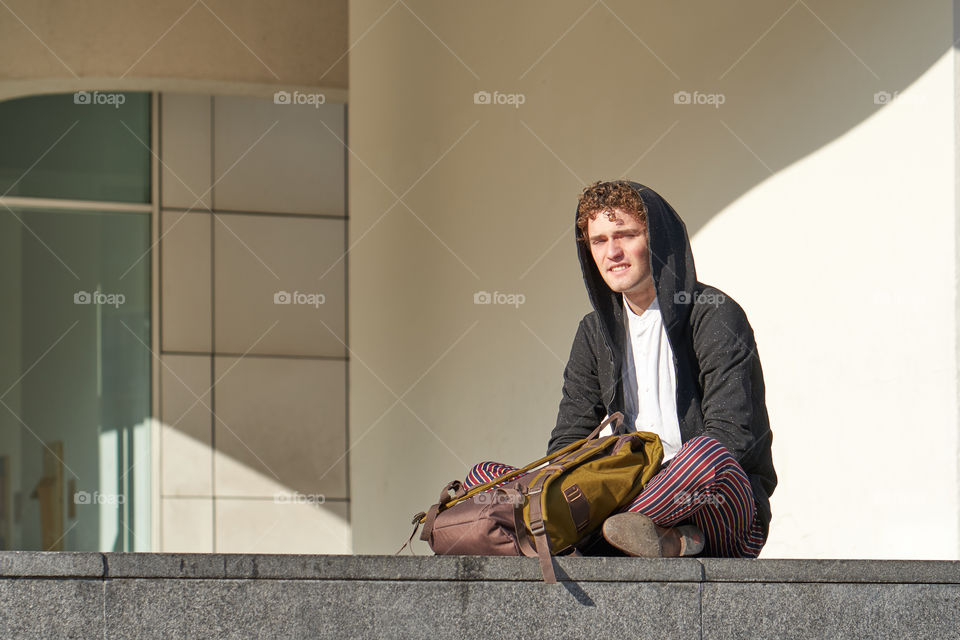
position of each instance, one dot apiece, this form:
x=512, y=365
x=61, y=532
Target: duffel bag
x=547, y=507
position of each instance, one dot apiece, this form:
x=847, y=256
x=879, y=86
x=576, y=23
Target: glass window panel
x=84, y=146
x=75, y=379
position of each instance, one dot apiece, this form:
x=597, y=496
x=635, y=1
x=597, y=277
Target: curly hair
x=607, y=196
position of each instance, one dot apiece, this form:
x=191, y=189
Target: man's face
x=620, y=251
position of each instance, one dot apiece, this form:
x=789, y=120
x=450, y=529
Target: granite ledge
x=395, y=568
x=51, y=564
x=38, y=564
x=832, y=571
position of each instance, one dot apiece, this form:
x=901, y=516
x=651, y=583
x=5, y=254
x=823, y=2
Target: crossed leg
x=703, y=485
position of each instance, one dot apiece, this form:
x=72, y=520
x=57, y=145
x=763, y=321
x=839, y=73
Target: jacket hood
x=671, y=263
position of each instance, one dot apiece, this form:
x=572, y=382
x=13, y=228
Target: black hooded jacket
x=720, y=390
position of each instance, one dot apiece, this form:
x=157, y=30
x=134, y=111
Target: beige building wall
x=813, y=165
x=253, y=326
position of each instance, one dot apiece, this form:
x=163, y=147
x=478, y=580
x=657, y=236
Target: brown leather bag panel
x=472, y=528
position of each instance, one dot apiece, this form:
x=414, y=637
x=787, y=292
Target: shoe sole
x=633, y=533
x=637, y=535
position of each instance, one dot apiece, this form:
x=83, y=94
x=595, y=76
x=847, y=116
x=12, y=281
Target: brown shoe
x=637, y=535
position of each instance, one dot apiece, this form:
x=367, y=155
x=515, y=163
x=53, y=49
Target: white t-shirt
x=649, y=379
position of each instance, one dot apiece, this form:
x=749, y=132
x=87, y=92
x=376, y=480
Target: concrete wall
x=819, y=194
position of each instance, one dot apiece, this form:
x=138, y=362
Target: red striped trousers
x=702, y=485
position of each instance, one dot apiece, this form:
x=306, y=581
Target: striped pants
x=702, y=485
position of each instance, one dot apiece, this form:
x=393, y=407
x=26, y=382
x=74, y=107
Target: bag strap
x=583, y=453
x=455, y=487
x=446, y=503
x=416, y=525
x=616, y=416
x=575, y=502
x=537, y=527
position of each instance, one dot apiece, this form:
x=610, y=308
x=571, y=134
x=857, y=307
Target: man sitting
x=678, y=358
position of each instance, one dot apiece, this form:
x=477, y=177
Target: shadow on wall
x=726, y=94
x=817, y=73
